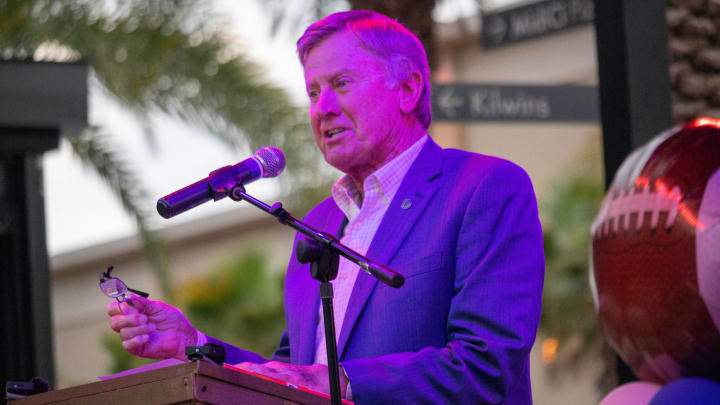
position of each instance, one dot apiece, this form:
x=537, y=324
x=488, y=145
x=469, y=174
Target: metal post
x=633, y=65
x=633, y=69
x=37, y=100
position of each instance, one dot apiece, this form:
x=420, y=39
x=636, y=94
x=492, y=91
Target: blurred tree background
x=416, y=15
x=569, y=333
x=172, y=57
x=240, y=302
x=567, y=302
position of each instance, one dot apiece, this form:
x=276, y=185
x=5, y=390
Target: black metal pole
x=633, y=73
x=25, y=313
x=37, y=100
x=324, y=264
x=326, y=296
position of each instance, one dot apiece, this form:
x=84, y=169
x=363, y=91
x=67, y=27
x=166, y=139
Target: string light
x=549, y=350
x=706, y=121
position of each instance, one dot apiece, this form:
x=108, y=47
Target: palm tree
x=169, y=56
x=416, y=15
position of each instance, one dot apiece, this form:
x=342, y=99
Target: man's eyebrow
x=343, y=71
x=332, y=75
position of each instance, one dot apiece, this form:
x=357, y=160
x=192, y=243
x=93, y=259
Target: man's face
x=355, y=114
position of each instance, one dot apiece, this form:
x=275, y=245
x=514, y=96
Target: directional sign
x=490, y=102
x=534, y=20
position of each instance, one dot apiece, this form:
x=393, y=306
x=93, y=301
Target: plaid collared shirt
x=364, y=218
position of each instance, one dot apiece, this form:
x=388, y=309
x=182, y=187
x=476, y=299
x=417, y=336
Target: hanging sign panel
x=489, y=102
x=534, y=20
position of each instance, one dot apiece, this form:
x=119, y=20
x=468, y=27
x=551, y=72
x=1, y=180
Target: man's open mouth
x=333, y=132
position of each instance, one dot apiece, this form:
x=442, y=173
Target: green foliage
x=173, y=56
x=301, y=15
x=568, y=310
x=567, y=303
x=94, y=151
x=240, y=302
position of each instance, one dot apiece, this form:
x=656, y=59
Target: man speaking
x=462, y=228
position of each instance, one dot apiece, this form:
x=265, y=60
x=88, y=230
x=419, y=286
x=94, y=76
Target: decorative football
x=655, y=266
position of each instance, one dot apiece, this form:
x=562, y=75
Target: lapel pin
x=406, y=204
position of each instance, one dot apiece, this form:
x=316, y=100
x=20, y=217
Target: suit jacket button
x=406, y=204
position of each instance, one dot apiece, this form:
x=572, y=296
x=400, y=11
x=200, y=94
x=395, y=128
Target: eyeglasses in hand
x=113, y=287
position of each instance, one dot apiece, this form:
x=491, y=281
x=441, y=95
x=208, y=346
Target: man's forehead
x=340, y=53
x=336, y=41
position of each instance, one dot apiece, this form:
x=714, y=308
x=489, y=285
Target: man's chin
x=338, y=161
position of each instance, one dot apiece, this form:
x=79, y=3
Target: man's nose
x=327, y=104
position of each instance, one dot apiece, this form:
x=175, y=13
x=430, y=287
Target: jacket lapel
x=415, y=192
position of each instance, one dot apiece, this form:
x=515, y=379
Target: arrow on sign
x=496, y=28
x=448, y=102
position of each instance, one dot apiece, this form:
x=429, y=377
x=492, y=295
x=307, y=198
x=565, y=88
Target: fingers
x=130, y=313
x=252, y=367
x=132, y=332
x=135, y=345
x=130, y=306
x=157, y=311
x=137, y=303
x=113, y=308
x=119, y=322
x=139, y=321
x=306, y=376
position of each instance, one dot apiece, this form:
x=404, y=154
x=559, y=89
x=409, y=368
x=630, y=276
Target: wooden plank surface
x=189, y=383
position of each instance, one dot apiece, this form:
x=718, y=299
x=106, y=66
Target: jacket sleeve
x=494, y=310
x=234, y=355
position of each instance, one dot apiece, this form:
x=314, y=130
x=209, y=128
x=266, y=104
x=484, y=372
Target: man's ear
x=410, y=91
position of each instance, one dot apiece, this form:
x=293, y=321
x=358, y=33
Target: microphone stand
x=324, y=268
x=323, y=252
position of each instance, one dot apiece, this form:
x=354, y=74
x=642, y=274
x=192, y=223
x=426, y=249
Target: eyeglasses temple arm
x=138, y=292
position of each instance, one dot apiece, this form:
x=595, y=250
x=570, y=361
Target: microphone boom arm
x=381, y=272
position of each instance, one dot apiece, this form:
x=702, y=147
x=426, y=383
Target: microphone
x=268, y=161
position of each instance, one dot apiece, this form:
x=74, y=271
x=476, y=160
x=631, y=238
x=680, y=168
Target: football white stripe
x=622, y=200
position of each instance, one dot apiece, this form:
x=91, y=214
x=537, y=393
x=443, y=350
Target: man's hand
x=151, y=329
x=314, y=377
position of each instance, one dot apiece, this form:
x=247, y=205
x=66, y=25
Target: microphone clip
x=222, y=181
x=211, y=351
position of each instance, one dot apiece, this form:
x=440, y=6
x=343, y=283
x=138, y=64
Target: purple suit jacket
x=461, y=328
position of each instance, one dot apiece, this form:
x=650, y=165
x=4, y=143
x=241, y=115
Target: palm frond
x=95, y=151
x=161, y=56
x=170, y=56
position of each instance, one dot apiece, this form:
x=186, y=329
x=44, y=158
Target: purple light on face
x=398, y=49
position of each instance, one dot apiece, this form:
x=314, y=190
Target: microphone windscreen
x=272, y=160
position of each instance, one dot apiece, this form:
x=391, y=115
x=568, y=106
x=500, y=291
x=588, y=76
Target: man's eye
x=313, y=94
x=342, y=82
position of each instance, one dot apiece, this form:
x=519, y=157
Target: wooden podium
x=198, y=382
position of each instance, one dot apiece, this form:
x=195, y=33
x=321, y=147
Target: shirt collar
x=385, y=181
